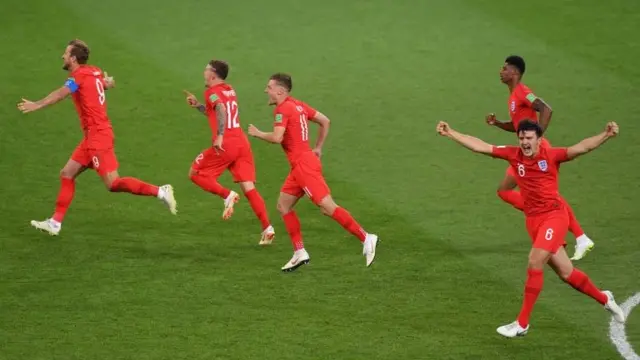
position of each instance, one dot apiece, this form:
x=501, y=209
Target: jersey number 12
x=232, y=115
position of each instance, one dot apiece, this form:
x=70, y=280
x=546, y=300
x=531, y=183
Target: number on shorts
x=521, y=170
x=199, y=158
x=96, y=162
x=232, y=115
x=548, y=235
x=101, y=95
x=304, y=126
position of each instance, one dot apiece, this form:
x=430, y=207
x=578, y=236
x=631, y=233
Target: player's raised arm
x=504, y=125
x=194, y=103
x=27, y=106
x=324, y=122
x=544, y=110
x=472, y=143
x=592, y=143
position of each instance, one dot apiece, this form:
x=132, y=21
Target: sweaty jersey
x=521, y=105
x=537, y=176
x=225, y=95
x=293, y=115
x=88, y=92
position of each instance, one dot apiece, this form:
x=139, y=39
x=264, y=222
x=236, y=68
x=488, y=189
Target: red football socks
x=581, y=282
x=210, y=184
x=512, y=197
x=574, y=225
x=292, y=223
x=350, y=224
x=532, y=288
x=258, y=206
x=133, y=186
x=65, y=196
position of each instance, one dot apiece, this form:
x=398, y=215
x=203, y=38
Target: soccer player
x=86, y=85
x=230, y=151
x=291, y=130
x=524, y=104
x=547, y=220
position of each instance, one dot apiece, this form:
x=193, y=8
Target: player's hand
x=612, y=129
x=109, y=81
x=317, y=151
x=217, y=144
x=491, y=119
x=443, y=128
x=191, y=99
x=253, y=131
x=27, y=106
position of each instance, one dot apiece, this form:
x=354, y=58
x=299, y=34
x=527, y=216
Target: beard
x=65, y=67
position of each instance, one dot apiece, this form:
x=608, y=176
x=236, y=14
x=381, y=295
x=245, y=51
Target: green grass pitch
x=126, y=280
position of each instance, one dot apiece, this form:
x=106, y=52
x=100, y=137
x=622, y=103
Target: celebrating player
x=87, y=84
x=291, y=130
x=547, y=220
x=230, y=151
x=524, y=104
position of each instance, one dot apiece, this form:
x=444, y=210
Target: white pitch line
x=617, y=332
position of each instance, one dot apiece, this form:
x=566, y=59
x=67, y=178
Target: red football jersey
x=87, y=87
x=537, y=177
x=293, y=115
x=521, y=105
x=225, y=95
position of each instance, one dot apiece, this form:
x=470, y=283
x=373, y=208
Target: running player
x=524, y=104
x=86, y=85
x=291, y=130
x=547, y=220
x=230, y=148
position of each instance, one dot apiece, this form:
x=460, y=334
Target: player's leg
x=205, y=171
x=506, y=190
x=260, y=209
x=561, y=264
x=547, y=235
x=583, y=243
x=244, y=173
x=104, y=161
x=289, y=196
x=71, y=170
x=308, y=176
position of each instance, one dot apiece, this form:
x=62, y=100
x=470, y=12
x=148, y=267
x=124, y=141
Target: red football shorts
x=237, y=157
x=544, y=143
x=96, y=151
x=306, y=178
x=547, y=231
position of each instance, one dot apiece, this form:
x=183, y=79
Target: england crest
x=542, y=164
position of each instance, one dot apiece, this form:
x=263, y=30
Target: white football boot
x=267, y=236
x=231, y=200
x=300, y=257
x=165, y=193
x=583, y=246
x=512, y=330
x=369, y=248
x=49, y=226
x=614, y=308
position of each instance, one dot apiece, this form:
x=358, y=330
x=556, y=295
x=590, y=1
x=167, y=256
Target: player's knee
x=67, y=173
x=535, y=263
x=283, y=208
x=563, y=273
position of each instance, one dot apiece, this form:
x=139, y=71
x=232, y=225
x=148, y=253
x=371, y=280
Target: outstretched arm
x=592, y=143
x=27, y=106
x=472, y=143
